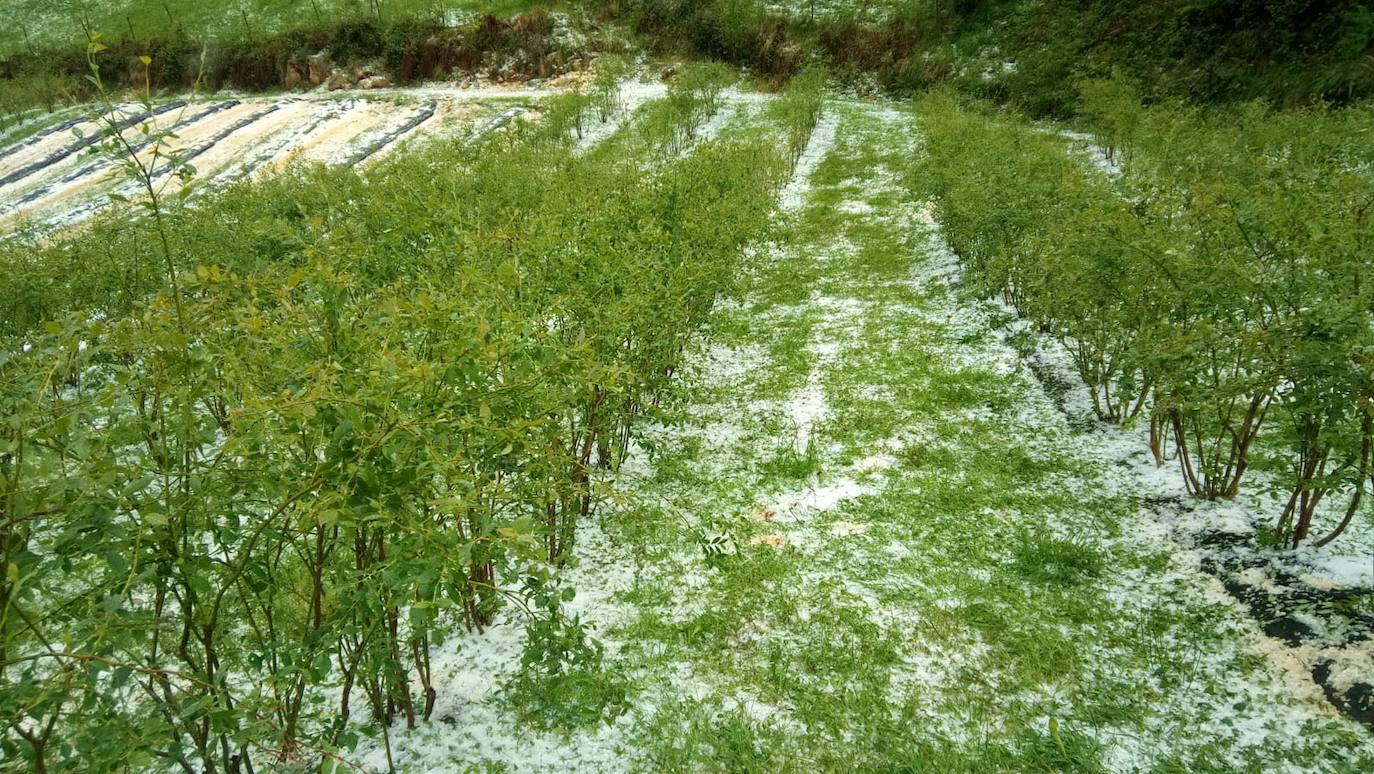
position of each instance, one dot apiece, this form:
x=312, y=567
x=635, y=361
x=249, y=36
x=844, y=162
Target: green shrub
x=367, y=413
x=1218, y=280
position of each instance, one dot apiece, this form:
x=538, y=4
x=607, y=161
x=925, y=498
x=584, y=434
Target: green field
x=674, y=416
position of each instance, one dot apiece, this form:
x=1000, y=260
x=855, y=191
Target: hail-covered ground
x=865, y=536
x=873, y=528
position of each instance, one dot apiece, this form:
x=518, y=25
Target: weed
x=1055, y=561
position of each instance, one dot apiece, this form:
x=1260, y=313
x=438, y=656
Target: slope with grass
x=1029, y=53
x=46, y=23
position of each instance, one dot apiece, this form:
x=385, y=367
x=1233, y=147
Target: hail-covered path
x=865, y=538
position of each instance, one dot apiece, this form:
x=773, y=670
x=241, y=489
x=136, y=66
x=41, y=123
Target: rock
x=1290, y=630
x=375, y=82
x=320, y=68
x=338, y=80
x=296, y=74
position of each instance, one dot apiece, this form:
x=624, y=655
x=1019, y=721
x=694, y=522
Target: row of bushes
x=238, y=510
x=1217, y=289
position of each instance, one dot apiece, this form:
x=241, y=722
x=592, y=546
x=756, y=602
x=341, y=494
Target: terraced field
x=49, y=180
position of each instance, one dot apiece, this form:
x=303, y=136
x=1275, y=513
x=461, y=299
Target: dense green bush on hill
x=1287, y=52
x=1031, y=52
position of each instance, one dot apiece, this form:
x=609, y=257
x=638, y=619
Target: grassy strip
x=410, y=48
x=46, y=24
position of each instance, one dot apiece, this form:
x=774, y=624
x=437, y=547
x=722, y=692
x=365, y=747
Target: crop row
x=250, y=477
x=1214, y=288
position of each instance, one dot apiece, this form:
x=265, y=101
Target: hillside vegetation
x=1024, y=51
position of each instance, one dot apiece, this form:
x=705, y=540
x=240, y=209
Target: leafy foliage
x=244, y=497
x=561, y=681
x=1219, y=278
